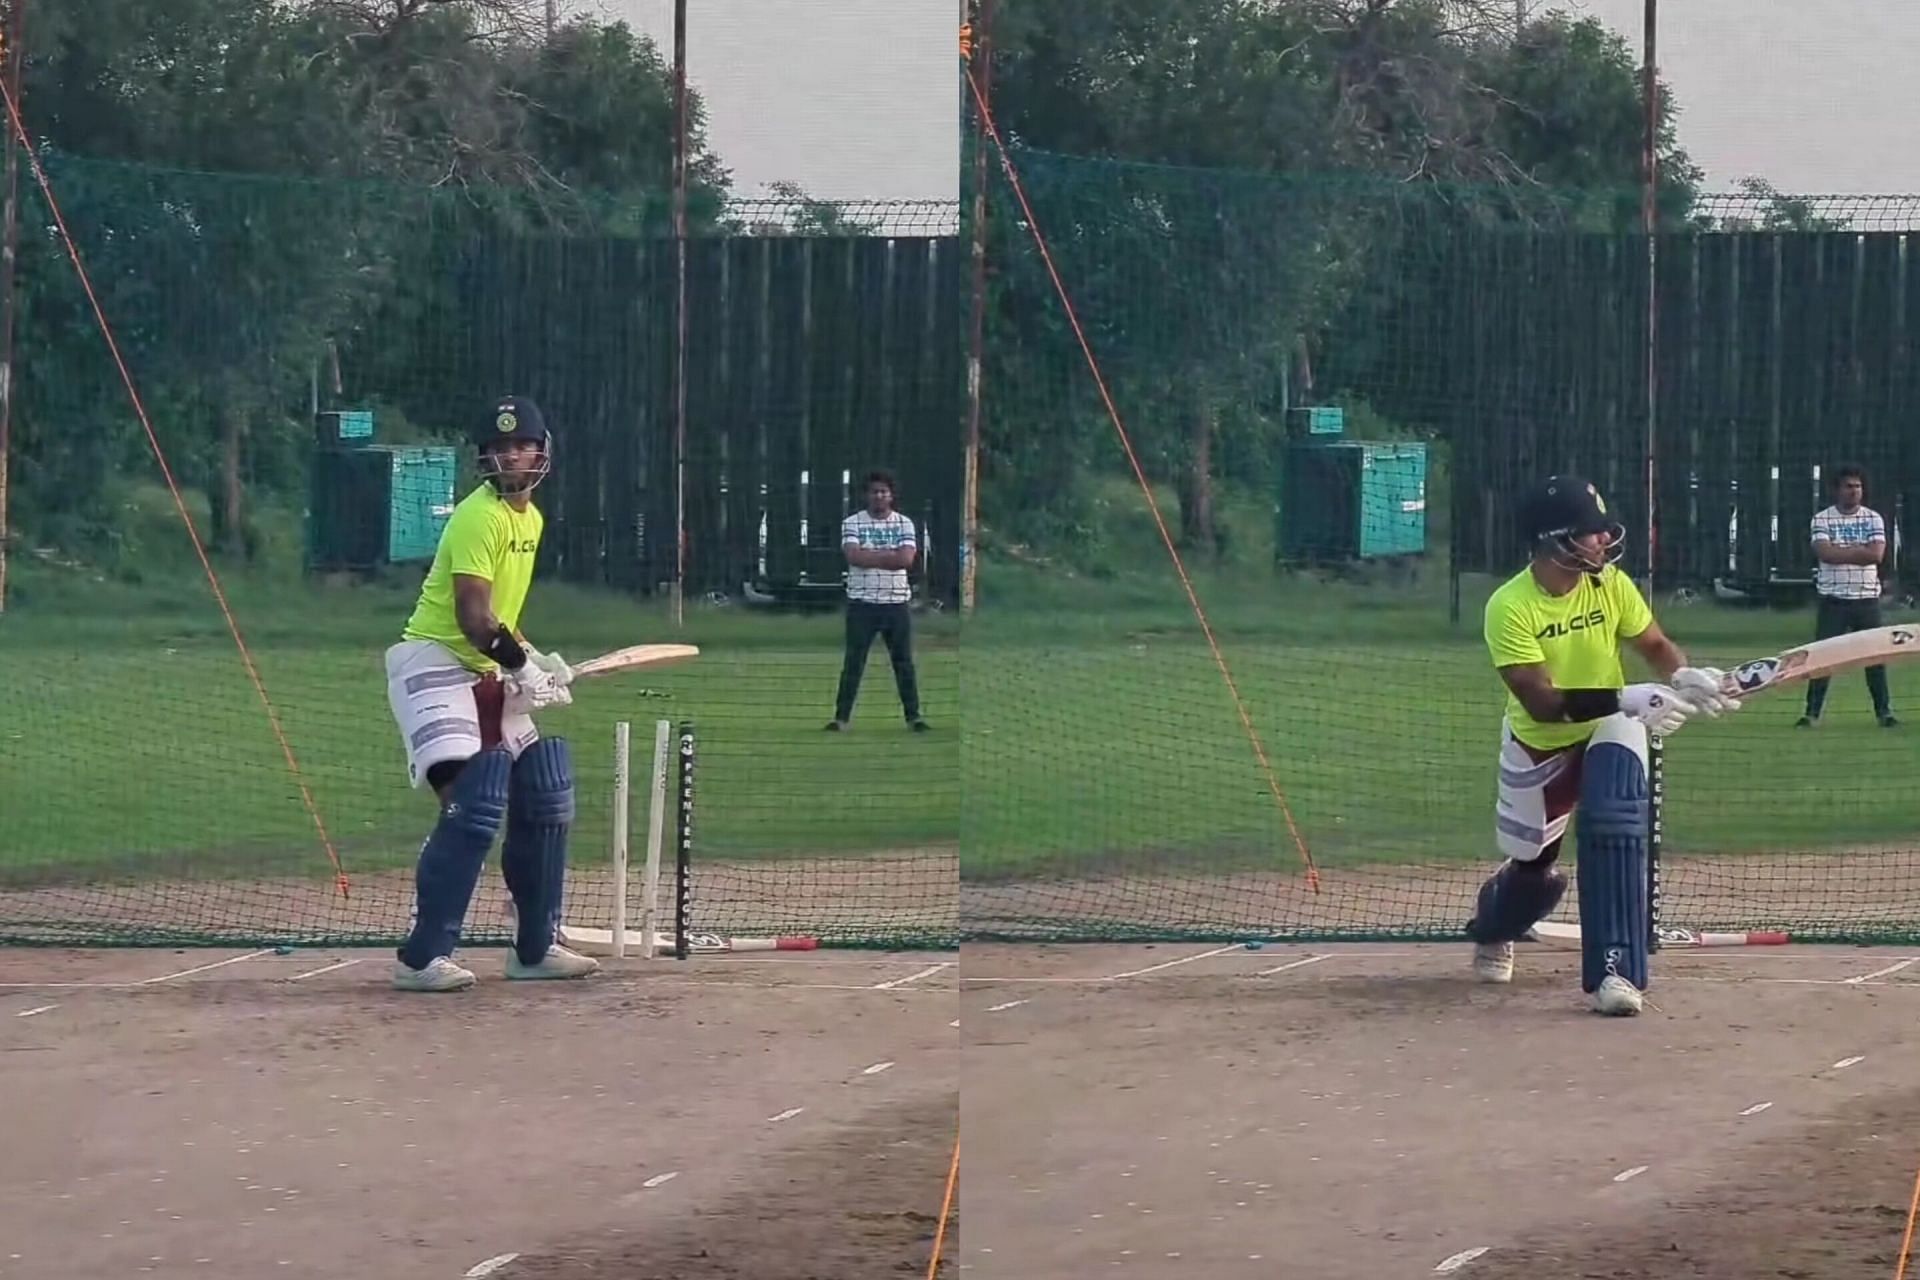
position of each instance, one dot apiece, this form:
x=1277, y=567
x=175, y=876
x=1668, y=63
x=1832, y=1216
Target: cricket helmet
x=513, y=418
x=1563, y=508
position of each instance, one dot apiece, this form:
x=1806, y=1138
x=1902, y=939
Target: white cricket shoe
x=1616, y=997
x=557, y=963
x=1493, y=961
x=441, y=974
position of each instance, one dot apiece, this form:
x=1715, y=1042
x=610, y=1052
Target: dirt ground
x=1362, y=1111
x=245, y=1114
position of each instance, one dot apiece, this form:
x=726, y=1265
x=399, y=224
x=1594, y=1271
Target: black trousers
x=1838, y=617
x=893, y=623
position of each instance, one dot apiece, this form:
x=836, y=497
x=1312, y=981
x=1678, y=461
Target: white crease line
x=1460, y=1259
x=698, y=981
x=1756, y=1108
x=927, y=972
x=314, y=973
x=876, y=1068
x=838, y=986
x=1292, y=964
x=202, y=968
x=1862, y=981
x=1168, y=964
x=1003, y=1007
x=1634, y=1172
x=28, y=1013
x=955, y=1023
x=1844, y=1063
x=1881, y=973
x=969, y=978
x=490, y=1266
x=660, y=1178
x=788, y=1114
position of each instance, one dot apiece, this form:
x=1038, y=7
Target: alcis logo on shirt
x=1580, y=622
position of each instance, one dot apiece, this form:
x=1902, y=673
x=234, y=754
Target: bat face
x=639, y=655
x=1822, y=657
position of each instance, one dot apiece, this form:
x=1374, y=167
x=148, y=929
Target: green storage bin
x=379, y=505
x=350, y=427
x=1352, y=500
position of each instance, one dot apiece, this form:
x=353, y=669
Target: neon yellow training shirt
x=485, y=538
x=1577, y=636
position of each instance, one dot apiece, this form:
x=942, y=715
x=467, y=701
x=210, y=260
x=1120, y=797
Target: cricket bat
x=634, y=656
x=1821, y=658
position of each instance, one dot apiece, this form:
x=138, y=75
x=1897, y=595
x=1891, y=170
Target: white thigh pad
x=1524, y=821
x=431, y=696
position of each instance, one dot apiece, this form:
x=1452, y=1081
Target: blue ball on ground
x=283, y=950
x=1254, y=944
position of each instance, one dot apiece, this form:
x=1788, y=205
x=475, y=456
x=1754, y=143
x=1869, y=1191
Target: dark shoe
x=1804, y=722
x=1888, y=722
x=919, y=726
x=835, y=726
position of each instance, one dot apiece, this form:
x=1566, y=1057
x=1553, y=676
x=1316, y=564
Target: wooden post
x=9, y=247
x=976, y=338
x=1649, y=224
x=680, y=312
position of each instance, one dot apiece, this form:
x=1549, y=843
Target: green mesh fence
x=311, y=355
x=1334, y=387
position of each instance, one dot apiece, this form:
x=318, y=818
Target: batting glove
x=533, y=688
x=1657, y=706
x=1701, y=687
x=551, y=663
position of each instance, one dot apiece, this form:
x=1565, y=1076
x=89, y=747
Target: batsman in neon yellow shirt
x=1575, y=737
x=464, y=683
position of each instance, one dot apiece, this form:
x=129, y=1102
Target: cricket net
x=1332, y=388
x=310, y=357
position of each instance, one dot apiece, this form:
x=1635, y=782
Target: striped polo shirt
x=878, y=586
x=1853, y=528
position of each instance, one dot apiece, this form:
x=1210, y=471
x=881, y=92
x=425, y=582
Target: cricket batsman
x=1575, y=735
x=464, y=683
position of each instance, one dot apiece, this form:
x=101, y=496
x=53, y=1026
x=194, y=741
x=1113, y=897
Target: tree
x=1762, y=207
x=284, y=178
x=1318, y=142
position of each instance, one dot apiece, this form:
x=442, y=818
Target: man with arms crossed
x=1575, y=734
x=463, y=682
x=880, y=545
x=1849, y=542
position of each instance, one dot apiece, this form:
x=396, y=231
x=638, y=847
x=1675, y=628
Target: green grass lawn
x=1099, y=725
x=1081, y=725
x=136, y=744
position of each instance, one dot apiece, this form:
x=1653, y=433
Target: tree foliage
x=1273, y=163
x=261, y=188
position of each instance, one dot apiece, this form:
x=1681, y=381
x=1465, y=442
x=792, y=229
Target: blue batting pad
x=1612, y=875
x=534, y=857
x=1514, y=899
x=453, y=854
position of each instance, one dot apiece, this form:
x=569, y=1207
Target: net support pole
x=680, y=312
x=9, y=246
x=1649, y=225
x=977, y=322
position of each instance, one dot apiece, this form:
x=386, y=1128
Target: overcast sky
x=852, y=99
x=860, y=99
x=1816, y=96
